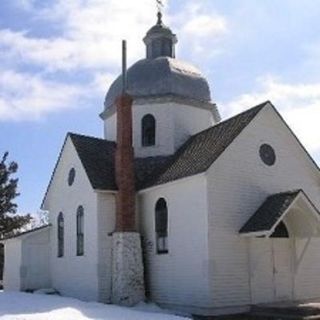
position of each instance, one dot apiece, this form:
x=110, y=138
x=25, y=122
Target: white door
x=261, y=270
x=270, y=270
x=283, y=276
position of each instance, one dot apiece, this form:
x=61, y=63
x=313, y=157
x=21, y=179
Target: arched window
x=161, y=224
x=80, y=231
x=148, y=130
x=60, y=224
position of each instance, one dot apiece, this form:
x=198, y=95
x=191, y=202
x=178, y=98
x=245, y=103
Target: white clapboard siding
x=73, y=275
x=179, y=277
x=106, y=225
x=175, y=123
x=238, y=183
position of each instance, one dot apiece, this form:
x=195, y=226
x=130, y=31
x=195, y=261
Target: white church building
x=227, y=210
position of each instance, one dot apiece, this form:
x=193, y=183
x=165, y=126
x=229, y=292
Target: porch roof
x=25, y=233
x=273, y=211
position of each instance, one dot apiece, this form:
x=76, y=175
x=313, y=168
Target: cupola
x=160, y=40
x=171, y=98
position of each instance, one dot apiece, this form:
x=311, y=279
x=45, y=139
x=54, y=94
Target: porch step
x=280, y=313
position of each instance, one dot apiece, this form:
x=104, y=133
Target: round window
x=267, y=154
x=71, y=176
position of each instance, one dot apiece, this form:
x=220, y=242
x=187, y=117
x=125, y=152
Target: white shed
x=26, y=265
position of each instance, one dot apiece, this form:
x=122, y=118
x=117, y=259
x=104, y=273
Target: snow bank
x=26, y=306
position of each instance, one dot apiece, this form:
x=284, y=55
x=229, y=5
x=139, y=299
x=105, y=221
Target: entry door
x=270, y=270
x=282, y=269
x=261, y=270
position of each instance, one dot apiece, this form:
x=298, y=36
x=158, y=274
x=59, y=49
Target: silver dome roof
x=160, y=77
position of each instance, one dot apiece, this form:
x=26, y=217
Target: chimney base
x=127, y=269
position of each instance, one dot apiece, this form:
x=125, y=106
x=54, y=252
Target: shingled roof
x=270, y=212
x=97, y=157
x=202, y=149
x=195, y=156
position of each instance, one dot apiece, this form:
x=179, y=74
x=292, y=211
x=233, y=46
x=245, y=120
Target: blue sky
x=59, y=57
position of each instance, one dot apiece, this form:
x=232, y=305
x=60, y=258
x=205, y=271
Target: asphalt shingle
x=269, y=212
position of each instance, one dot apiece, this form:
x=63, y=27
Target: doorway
x=271, y=272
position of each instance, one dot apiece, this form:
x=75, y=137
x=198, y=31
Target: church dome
x=160, y=74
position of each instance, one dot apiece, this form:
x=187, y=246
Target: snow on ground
x=27, y=306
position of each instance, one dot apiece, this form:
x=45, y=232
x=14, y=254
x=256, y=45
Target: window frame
x=80, y=231
x=148, y=130
x=267, y=154
x=71, y=176
x=60, y=235
x=161, y=226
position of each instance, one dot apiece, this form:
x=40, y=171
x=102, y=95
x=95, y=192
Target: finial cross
x=159, y=14
x=159, y=5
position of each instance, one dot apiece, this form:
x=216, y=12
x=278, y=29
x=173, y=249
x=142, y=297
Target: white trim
x=254, y=234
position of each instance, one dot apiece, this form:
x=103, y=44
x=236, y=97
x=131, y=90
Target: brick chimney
x=125, y=199
x=127, y=265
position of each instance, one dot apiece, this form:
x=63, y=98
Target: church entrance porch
x=283, y=245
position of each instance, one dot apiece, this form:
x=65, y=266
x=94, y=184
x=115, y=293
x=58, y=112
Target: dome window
x=148, y=130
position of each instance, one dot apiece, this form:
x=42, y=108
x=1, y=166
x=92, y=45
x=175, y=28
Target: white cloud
x=27, y=97
x=24, y=4
x=90, y=37
x=91, y=32
x=205, y=26
x=298, y=103
x=102, y=81
x=200, y=28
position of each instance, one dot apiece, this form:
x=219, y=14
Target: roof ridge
x=261, y=105
x=289, y=192
x=90, y=137
x=22, y=233
x=175, y=157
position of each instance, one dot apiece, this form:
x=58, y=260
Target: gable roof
x=195, y=156
x=274, y=209
x=97, y=157
x=270, y=212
